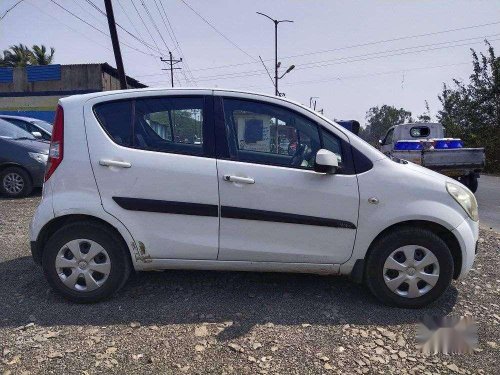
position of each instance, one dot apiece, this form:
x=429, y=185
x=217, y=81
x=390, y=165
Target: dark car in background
x=31, y=125
x=23, y=158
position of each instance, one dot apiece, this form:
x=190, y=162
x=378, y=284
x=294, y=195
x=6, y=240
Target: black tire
x=384, y=246
x=112, y=243
x=27, y=185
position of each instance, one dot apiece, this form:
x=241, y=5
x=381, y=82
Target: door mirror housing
x=326, y=162
x=37, y=134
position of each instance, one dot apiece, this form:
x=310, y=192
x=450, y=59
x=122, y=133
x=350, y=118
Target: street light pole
x=276, y=64
x=276, y=92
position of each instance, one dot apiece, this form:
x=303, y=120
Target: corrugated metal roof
x=44, y=73
x=6, y=75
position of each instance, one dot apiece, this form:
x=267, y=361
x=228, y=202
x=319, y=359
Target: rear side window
x=165, y=124
x=116, y=119
x=420, y=131
x=170, y=124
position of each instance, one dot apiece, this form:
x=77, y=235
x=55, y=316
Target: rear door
x=153, y=162
x=274, y=207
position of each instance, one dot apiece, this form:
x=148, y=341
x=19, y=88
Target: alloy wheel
x=13, y=183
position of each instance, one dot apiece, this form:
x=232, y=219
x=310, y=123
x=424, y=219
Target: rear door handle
x=114, y=163
x=240, y=180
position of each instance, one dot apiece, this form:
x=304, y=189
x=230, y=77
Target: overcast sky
x=334, y=44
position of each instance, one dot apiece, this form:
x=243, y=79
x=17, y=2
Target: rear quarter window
x=116, y=119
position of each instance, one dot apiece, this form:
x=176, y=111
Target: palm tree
x=19, y=55
x=40, y=55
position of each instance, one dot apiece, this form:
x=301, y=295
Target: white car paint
x=80, y=185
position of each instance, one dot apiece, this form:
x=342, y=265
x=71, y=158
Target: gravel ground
x=221, y=323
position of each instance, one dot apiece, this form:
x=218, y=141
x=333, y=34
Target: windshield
x=8, y=130
x=44, y=125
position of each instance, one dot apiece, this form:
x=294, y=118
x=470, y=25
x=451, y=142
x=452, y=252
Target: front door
x=152, y=161
x=274, y=207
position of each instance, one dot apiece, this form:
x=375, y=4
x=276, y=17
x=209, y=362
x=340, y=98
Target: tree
x=471, y=111
x=21, y=55
x=380, y=119
x=426, y=116
x=40, y=56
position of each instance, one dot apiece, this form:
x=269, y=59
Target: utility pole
x=116, y=44
x=172, y=62
x=276, y=63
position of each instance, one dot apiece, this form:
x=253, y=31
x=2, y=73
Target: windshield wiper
x=22, y=138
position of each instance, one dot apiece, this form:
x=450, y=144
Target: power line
x=340, y=78
x=96, y=28
x=136, y=30
x=172, y=38
x=395, y=39
x=165, y=23
x=69, y=27
x=176, y=42
x=11, y=8
x=219, y=32
x=154, y=24
x=140, y=39
x=352, y=46
x=144, y=23
x=356, y=58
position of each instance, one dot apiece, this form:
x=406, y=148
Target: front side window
x=268, y=134
x=166, y=124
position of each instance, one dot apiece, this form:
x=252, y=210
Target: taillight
x=56, y=144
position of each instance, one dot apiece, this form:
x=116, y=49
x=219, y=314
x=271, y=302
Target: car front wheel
x=86, y=262
x=409, y=267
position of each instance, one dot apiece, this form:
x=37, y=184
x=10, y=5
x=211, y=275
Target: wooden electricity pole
x=116, y=44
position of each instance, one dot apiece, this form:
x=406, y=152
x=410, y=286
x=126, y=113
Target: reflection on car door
x=274, y=207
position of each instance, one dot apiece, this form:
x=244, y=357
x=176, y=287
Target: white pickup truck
x=425, y=144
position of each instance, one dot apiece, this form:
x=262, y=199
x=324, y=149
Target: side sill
x=226, y=265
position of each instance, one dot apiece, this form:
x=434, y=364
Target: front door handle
x=238, y=179
x=114, y=163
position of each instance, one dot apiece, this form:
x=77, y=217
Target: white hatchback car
x=156, y=179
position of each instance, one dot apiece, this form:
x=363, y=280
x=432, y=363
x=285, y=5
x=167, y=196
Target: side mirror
x=37, y=134
x=326, y=162
x=381, y=142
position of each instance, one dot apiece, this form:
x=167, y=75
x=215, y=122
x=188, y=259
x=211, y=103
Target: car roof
x=99, y=94
x=29, y=119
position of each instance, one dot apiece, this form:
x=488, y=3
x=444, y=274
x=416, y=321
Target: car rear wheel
x=15, y=182
x=86, y=262
x=409, y=267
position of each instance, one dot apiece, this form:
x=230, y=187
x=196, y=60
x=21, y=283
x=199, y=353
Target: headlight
x=465, y=199
x=41, y=158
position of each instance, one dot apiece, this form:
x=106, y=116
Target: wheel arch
x=442, y=232
x=4, y=166
x=58, y=222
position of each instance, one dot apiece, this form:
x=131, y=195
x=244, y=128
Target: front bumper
x=467, y=235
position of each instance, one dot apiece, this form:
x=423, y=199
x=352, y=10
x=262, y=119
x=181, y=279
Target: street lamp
x=276, y=64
